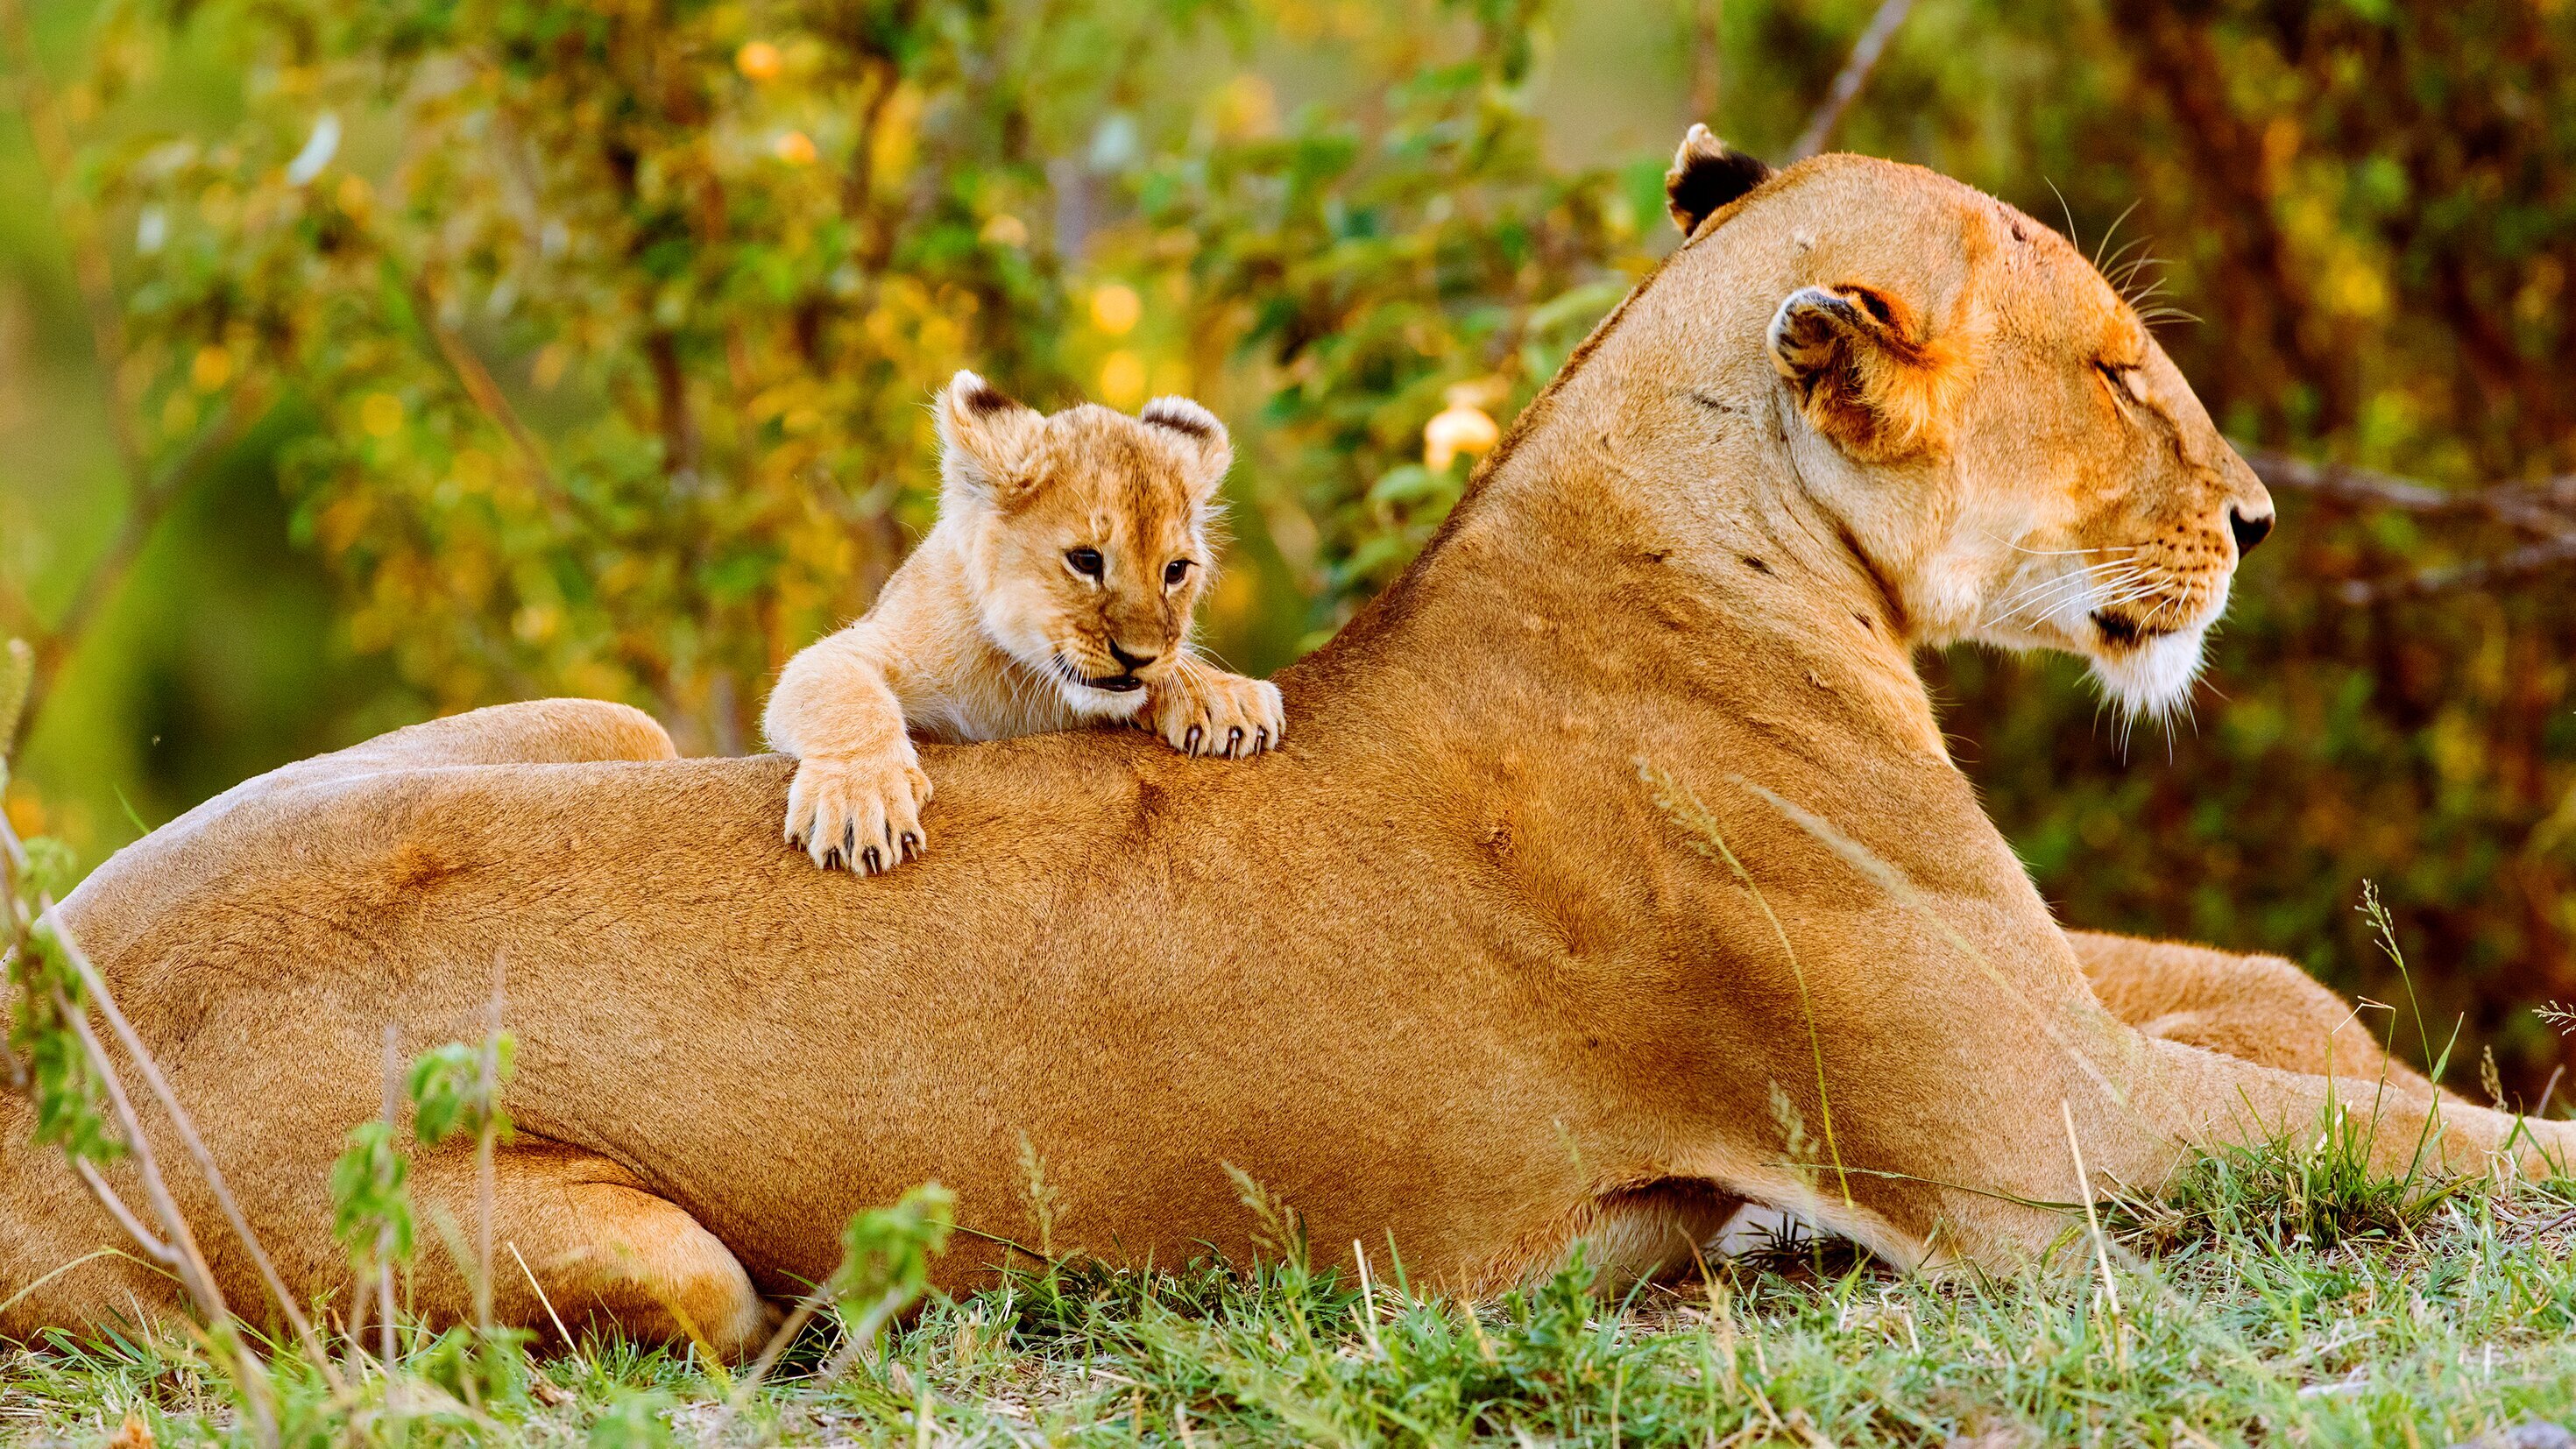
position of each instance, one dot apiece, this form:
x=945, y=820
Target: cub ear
x=1707, y=174
x=1864, y=375
x=988, y=442
x=1201, y=436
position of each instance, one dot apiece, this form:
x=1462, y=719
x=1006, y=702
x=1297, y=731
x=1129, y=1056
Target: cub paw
x=1224, y=715
x=860, y=814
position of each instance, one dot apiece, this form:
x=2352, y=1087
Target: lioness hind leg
x=537, y=732
x=2263, y=1009
x=606, y=1251
x=534, y=732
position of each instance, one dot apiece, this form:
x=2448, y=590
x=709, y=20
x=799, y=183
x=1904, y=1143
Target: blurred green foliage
x=590, y=339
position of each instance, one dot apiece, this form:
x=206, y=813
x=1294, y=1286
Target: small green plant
x=884, y=1269
x=371, y=1213
x=885, y=1266
x=451, y=1089
x=456, y=1089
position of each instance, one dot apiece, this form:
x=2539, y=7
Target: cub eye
x=1175, y=571
x=1084, y=561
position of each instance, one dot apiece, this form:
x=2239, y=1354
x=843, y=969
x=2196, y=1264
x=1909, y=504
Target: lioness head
x=1984, y=415
x=1089, y=532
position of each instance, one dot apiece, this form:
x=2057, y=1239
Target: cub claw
x=1196, y=709
x=835, y=803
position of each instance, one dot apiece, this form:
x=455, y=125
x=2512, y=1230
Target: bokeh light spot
x=1122, y=379
x=1115, y=309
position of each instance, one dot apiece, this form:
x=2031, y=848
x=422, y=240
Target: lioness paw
x=861, y=814
x=1206, y=712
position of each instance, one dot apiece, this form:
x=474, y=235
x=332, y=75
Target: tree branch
x=2547, y=510
x=2476, y=573
x=1700, y=25
x=92, y=275
x=1854, y=75
x=153, y=499
x=484, y=392
x=95, y=279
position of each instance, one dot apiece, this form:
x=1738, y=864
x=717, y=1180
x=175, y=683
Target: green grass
x=2268, y=1296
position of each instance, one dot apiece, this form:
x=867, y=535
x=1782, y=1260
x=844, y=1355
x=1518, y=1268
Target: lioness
x=1444, y=971
x=1055, y=589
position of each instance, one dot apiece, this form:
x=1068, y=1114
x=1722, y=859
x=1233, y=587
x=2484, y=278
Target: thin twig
x=1854, y=75
x=2092, y=1219
x=2548, y=508
x=794, y=1323
x=486, y=395
x=175, y=1239
x=488, y=1073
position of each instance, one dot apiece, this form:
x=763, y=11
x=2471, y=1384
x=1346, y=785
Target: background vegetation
x=366, y=359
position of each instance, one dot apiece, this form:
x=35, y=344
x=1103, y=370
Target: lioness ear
x=1864, y=375
x=1202, y=437
x=987, y=441
x=1707, y=174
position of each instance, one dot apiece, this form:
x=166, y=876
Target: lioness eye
x=2118, y=376
x=1175, y=571
x=1085, y=561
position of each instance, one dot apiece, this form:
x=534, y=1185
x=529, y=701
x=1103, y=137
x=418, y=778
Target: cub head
x=1088, y=533
x=1988, y=421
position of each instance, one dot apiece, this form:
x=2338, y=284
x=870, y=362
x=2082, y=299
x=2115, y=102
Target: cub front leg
x=1202, y=710
x=856, y=801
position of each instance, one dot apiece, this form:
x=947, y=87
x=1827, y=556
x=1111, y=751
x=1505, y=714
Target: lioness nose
x=1129, y=662
x=2248, y=531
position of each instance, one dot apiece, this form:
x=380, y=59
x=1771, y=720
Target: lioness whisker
x=2057, y=592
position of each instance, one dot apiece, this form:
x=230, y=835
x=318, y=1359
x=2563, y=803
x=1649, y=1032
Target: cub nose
x=2248, y=531
x=1129, y=662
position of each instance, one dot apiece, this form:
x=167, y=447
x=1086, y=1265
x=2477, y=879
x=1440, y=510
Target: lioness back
x=1055, y=590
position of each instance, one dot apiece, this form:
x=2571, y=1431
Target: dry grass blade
x=1678, y=801
x=1895, y=883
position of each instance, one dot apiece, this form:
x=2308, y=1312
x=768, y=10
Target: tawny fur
x=1438, y=968
x=1055, y=591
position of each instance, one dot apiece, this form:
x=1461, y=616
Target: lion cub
x=1055, y=590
